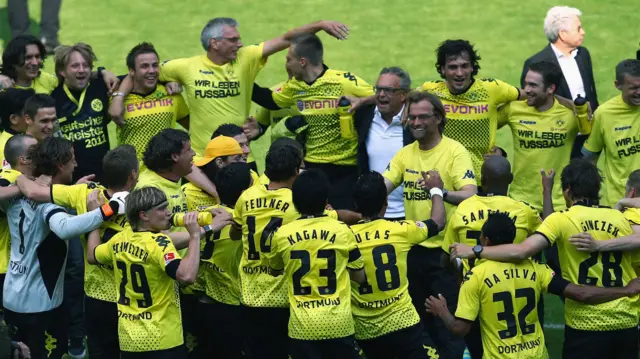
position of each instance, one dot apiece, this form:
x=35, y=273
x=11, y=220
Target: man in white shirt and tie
x=381, y=133
x=563, y=29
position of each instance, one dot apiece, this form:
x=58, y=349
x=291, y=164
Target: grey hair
x=405, y=79
x=556, y=21
x=140, y=200
x=213, y=29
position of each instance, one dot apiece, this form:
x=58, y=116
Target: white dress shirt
x=571, y=72
x=383, y=141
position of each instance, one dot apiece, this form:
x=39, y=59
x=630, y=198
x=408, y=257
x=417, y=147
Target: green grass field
x=383, y=33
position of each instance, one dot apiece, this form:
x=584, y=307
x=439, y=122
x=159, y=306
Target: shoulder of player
x=490, y=82
x=429, y=85
x=277, y=87
x=451, y=144
x=157, y=240
x=9, y=175
x=608, y=111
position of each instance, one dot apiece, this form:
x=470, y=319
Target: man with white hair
x=563, y=29
x=219, y=84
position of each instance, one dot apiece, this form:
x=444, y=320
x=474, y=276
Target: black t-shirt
x=83, y=121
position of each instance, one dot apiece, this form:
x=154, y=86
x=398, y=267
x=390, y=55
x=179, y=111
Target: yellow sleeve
x=395, y=168
x=280, y=130
x=503, y=115
x=331, y=214
x=237, y=212
x=49, y=81
x=165, y=252
x=103, y=254
x=263, y=116
x=533, y=219
x=181, y=108
x=545, y=275
x=71, y=196
x=469, y=297
x=273, y=256
x=551, y=227
x=251, y=56
x=355, y=86
x=417, y=232
x=427, y=86
x=284, y=98
x=355, y=258
x=633, y=216
x=502, y=92
x=595, y=142
x=462, y=169
x=173, y=70
x=450, y=233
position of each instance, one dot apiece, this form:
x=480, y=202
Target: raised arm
x=198, y=178
x=93, y=240
x=504, y=253
x=188, y=267
x=466, y=191
x=336, y=29
x=433, y=184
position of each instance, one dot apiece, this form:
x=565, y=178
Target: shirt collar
x=396, y=119
x=559, y=54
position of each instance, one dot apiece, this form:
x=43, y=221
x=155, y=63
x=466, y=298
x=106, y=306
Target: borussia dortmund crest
x=96, y=105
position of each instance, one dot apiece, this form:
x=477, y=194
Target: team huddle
x=386, y=223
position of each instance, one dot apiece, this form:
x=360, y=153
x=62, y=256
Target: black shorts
x=613, y=344
x=178, y=352
x=343, y=180
x=45, y=333
x=266, y=331
x=191, y=330
x=343, y=348
x=101, y=320
x=224, y=330
x=428, y=277
x=402, y=344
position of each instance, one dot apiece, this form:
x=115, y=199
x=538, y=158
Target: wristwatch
x=477, y=250
x=444, y=193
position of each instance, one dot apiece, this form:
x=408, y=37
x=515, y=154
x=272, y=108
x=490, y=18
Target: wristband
x=107, y=211
x=436, y=192
x=207, y=228
x=115, y=94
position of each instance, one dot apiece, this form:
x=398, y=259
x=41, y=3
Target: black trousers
x=102, y=328
x=49, y=20
x=267, y=332
x=223, y=328
x=178, y=352
x=44, y=333
x=191, y=329
x=343, y=180
x=74, y=289
x=402, y=344
x=343, y=348
x=427, y=277
x=613, y=344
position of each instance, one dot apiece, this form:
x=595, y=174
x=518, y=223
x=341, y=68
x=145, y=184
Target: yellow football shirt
x=99, y=282
x=449, y=158
x=175, y=196
x=4, y=137
x=270, y=118
x=219, y=263
x=472, y=116
x=541, y=140
x=197, y=199
x=465, y=224
x=382, y=305
x=146, y=116
x=505, y=297
x=215, y=94
x=148, y=299
x=45, y=83
x=318, y=103
x=314, y=253
x=603, y=269
x=632, y=215
x=616, y=130
x=260, y=211
x=7, y=178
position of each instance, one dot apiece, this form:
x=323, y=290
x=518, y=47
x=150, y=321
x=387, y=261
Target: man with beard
x=431, y=151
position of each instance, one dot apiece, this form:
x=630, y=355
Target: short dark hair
x=450, y=48
x=310, y=192
x=15, y=54
x=117, y=165
x=629, y=67
x=286, y=141
x=47, y=155
x=308, y=46
x=140, y=49
x=231, y=181
x=633, y=182
x=438, y=107
x=282, y=163
x=157, y=156
x=227, y=129
x=583, y=178
x=370, y=194
x=551, y=73
x=499, y=229
x=12, y=101
x=35, y=103
x=15, y=147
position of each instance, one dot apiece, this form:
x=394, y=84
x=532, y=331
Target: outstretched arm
x=336, y=29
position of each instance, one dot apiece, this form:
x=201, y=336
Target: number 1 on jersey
x=272, y=226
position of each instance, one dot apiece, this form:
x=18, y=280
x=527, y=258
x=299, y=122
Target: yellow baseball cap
x=219, y=146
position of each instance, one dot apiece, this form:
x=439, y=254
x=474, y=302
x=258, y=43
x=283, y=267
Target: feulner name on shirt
x=509, y=274
x=602, y=226
x=256, y=203
x=310, y=235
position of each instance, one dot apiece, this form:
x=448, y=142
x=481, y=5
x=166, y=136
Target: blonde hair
x=63, y=54
x=140, y=200
x=556, y=20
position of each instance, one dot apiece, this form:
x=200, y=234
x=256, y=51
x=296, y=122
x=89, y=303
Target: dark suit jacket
x=583, y=58
x=363, y=119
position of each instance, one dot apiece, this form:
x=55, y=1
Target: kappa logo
x=469, y=174
x=206, y=72
x=162, y=242
x=408, y=170
x=96, y=105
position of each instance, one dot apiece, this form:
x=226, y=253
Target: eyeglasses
x=422, y=116
x=388, y=90
x=233, y=40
